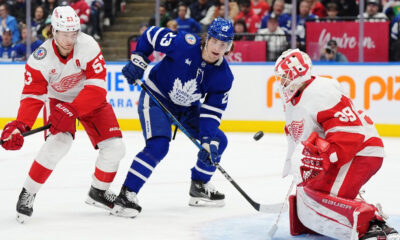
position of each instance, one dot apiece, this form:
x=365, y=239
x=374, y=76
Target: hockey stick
x=33, y=131
x=274, y=227
x=268, y=208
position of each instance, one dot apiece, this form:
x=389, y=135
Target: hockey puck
x=258, y=135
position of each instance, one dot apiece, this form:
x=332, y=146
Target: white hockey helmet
x=292, y=69
x=64, y=18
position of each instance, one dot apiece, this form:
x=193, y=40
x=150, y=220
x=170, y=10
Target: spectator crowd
x=254, y=20
x=93, y=14
x=271, y=20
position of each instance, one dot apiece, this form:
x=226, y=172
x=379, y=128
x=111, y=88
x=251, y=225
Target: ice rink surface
x=60, y=212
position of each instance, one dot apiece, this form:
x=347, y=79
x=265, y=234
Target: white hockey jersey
x=323, y=107
x=78, y=79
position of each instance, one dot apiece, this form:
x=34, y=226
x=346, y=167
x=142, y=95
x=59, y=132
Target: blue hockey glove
x=209, y=154
x=135, y=68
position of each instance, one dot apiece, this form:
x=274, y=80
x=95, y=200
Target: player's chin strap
x=268, y=208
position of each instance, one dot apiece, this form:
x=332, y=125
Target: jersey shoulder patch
x=40, y=53
x=190, y=39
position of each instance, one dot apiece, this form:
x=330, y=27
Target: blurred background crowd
x=254, y=20
x=93, y=14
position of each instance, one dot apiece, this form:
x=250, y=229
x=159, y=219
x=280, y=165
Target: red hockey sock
x=39, y=173
x=102, y=176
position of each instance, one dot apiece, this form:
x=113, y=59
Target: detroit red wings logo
x=68, y=82
x=295, y=129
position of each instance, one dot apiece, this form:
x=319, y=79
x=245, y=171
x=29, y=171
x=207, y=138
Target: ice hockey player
x=191, y=70
x=340, y=151
x=69, y=70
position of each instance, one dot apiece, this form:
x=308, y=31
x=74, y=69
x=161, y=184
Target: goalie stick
x=267, y=208
x=33, y=131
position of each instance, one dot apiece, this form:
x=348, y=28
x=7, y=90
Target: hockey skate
x=101, y=198
x=25, y=205
x=205, y=195
x=126, y=204
x=379, y=230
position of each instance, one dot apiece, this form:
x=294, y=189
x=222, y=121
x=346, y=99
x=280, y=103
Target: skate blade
x=203, y=202
x=124, y=212
x=94, y=203
x=22, y=218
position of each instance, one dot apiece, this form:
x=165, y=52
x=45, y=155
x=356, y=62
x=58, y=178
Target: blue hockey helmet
x=221, y=29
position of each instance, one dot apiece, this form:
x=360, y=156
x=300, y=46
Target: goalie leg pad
x=332, y=216
x=296, y=227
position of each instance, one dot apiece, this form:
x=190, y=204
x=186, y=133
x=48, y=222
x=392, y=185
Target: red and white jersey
x=47, y=74
x=323, y=107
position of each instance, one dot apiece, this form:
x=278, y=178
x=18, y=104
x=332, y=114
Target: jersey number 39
x=346, y=115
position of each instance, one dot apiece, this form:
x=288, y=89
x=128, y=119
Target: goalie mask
x=292, y=69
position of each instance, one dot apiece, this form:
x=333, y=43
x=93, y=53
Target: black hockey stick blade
x=33, y=131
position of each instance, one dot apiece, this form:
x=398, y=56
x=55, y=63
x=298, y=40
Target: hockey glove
x=62, y=119
x=209, y=154
x=135, y=68
x=11, y=135
x=316, y=156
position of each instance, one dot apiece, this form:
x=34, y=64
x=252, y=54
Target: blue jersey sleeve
x=215, y=104
x=211, y=113
x=162, y=40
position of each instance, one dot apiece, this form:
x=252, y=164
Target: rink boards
x=254, y=103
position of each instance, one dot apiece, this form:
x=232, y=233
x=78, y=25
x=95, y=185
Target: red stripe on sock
x=38, y=173
x=104, y=176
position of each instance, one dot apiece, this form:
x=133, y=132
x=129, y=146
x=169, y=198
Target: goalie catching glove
x=12, y=135
x=135, y=68
x=209, y=154
x=318, y=156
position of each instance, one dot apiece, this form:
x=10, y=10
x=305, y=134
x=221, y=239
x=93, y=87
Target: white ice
x=60, y=212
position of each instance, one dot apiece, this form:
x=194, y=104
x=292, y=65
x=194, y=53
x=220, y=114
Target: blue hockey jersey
x=183, y=78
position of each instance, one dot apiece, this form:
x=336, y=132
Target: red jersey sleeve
x=33, y=96
x=94, y=92
x=343, y=130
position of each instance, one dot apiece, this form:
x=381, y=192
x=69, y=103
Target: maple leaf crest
x=184, y=94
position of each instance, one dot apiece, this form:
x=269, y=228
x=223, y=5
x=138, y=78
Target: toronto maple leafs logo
x=295, y=129
x=184, y=93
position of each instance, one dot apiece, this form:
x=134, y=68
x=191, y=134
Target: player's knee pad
x=111, y=151
x=55, y=148
x=156, y=148
x=223, y=141
x=333, y=216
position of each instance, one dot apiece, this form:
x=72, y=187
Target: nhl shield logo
x=190, y=38
x=40, y=53
x=296, y=129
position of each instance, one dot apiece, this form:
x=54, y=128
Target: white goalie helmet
x=64, y=18
x=292, y=69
